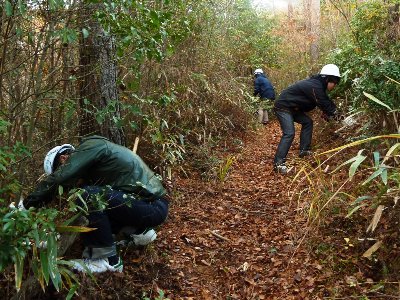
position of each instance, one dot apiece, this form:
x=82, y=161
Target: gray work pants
x=263, y=116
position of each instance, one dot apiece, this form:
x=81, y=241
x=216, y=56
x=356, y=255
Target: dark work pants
x=122, y=210
x=286, y=120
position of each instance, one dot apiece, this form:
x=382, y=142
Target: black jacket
x=263, y=87
x=305, y=95
x=97, y=161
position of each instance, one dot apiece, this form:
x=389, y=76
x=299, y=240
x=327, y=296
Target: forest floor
x=244, y=237
x=238, y=239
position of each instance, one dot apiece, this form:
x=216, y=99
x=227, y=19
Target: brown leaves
x=377, y=216
x=239, y=240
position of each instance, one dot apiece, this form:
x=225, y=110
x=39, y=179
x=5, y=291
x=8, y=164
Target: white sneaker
x=144, y=238
x=99, y=265
x=281, y=169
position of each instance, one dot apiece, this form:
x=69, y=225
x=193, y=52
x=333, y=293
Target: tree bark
x=99, y=100
x=315, y=12
x=394, y=22
x=290, y=10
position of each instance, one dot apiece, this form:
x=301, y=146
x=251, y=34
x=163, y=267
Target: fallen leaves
x=372, y=249
x=236, y=240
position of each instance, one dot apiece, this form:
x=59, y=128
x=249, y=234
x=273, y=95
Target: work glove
x=20, y=205
x=338, y=117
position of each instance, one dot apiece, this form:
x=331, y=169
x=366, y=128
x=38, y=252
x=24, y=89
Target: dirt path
x=241, y=239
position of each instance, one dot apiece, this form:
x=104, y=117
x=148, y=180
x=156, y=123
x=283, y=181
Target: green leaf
x=72, y=291
x=72, y=36
x=45, y=266
x=85, y=33
x=390, y=151
x=63, y=228
x=36, y=268
x=376, y=159
x=52, y=261
x=355, y=209
x=70, y=220
x=67, y=274
x=356, y=143
x=358, y=160
x=373, y=98
x=155, y=18
x=60, y=190
x=9, y=9
x=22, y=7
x=362, y=198
x=375, y=174
x=55, y=4
x=384, y=176
x=8, y=225
x=36, y=235
x=345, y=163
x=19, y=270
x=164, y=124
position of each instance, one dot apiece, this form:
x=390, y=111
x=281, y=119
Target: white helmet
x=258, y=71
x=331, y=70
x=51, y=155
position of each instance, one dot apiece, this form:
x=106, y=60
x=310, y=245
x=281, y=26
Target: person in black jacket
x=264, y=89
x=134, y=197
x=292, y=105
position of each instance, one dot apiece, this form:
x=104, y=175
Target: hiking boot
x=281, y=169
x=98, y=265
x=142, y=239
x=304, y=153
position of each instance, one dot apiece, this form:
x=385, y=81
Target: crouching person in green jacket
x=134, y=196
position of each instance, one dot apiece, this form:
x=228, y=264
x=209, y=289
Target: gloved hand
x=20, y=205
x=338, y=117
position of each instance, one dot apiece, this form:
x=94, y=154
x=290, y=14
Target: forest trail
x=238, y=240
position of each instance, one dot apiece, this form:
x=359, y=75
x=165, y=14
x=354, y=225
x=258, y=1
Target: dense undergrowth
x=353, y=190
x=185, y=87
x=182, y=92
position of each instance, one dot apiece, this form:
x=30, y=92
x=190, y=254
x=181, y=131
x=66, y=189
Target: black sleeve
x=43, y=194
x=323, y=101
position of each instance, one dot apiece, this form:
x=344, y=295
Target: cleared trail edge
x=242, y=239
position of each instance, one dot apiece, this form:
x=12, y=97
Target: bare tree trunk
x=98, y=81
x=315, y=12
x=394, y=22
x=290, y=10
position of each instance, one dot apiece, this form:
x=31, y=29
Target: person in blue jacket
x=264, y=89
x=292, y=105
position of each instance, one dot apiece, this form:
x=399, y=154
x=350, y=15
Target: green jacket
x=97, y=161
